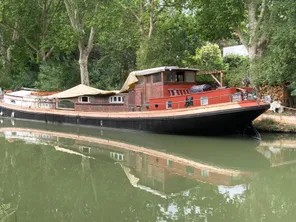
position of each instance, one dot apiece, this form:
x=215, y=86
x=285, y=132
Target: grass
x=271, y=125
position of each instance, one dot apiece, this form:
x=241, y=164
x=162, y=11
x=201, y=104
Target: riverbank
x=275, y=122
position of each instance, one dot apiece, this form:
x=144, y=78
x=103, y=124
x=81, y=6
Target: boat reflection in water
x=164, y=173
x=196, y=173
x=151, y=170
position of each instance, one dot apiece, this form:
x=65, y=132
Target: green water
x=66, y=173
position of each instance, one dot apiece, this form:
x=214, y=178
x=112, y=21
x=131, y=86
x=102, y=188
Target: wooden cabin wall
x=101, y=103
x=146, y=89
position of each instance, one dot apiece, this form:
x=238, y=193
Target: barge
x=162, y=100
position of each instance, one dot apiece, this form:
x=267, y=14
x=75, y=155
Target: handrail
x=242, y=98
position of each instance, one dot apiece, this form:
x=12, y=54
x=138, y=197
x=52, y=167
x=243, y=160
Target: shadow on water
x=66, y=173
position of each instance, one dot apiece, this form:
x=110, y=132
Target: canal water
x=66, y=173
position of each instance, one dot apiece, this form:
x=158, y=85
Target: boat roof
x=81, y=90
x=132, y=77
x=162, y=69
x=20, y=93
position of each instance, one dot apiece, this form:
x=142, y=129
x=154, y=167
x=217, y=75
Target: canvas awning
x=81, y=90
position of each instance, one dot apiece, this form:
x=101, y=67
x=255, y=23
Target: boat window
x=117, y=156
x=116, y=99
x=169, y=77
x=169, y=163
x=180, y=76
x=12, y=101
x=190, y=76
x=204, y=101
x=169, y=104
x=141, y=80
x=65, y=104
x=157, y=77
x=205, y=173
x=236, y=97
x=84, y=149
x=148, y=79
x=83, y=99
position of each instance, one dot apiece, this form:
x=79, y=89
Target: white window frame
x=117, y=156
x=205, y=173
x=84, y=149
x=167, y=105
x=80, y=99
x=169, y=163
x=204, y=100
x=112, y=98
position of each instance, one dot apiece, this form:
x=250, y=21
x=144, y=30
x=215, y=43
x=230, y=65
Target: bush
x=55, y=76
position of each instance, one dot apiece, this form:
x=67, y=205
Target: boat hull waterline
x=214, y=122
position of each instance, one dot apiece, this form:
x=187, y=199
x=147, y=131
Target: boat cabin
x=173, y=88
x=88, y=99
x=163, y=82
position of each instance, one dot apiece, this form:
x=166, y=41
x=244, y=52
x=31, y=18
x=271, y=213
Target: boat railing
x=190, y=101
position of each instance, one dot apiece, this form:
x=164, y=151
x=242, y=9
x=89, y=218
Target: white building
x=240, y=50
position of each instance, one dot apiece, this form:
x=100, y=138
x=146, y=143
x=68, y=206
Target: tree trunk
x=84, y=51
x=252, y=49
x=83, y=56
x=3, y=51
x=83, y=63
x=151, y=19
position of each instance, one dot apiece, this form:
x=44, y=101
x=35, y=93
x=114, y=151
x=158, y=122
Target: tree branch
x=241, y=37
x=48, y=54
x=26, y=39
x=90, y=43
x=151, y=18
x=31, y=45
x=129, y=9
x=72, y=16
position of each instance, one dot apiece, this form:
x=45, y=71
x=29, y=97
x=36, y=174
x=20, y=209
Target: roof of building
x=81, y=90
x=240, y=50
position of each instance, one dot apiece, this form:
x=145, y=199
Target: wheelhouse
x=171, y=88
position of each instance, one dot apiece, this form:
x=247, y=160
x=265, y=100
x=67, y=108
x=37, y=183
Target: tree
x=246, y=19
x=80, y=15
x=209, y=57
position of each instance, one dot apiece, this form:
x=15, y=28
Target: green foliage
x=57, y=76
x=218, y=19
x=180, y=27
x=233, y=61
x=209, y=57
x=278, y=65
x=235, y=75
x=104, y=76
x=173, y=42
